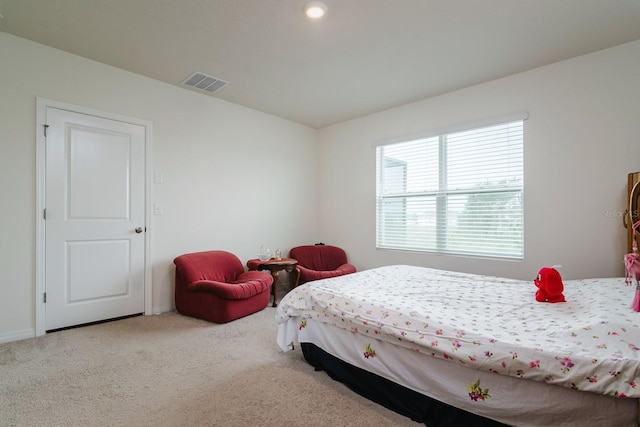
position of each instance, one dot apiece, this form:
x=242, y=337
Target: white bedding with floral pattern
x=509, y=400
x=589, y=343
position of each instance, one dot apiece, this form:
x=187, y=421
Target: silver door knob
x=138, y=230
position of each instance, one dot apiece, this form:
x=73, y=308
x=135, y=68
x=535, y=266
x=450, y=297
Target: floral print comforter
x=589, y=343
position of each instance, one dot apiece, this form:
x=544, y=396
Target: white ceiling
x=365, y=56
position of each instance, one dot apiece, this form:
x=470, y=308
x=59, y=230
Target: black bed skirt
x=395, y=397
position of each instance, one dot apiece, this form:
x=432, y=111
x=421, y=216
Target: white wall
x=234, y=178
x=581, y=139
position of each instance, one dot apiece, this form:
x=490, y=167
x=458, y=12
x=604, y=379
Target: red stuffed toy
x=549, y=285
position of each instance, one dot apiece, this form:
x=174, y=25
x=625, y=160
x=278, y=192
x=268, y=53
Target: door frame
x=41, y=107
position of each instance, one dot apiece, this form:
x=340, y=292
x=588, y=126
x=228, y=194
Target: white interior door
x=95, y=218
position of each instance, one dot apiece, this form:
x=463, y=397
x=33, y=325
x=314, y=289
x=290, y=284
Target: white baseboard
x=17, y=335
x=162, y=309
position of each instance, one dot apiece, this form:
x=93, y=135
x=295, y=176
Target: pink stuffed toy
x=632, y=268
x=549, y=285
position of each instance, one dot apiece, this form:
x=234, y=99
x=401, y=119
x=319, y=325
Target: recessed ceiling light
x=315, y=10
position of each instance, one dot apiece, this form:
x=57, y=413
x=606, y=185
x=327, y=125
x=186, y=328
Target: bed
x=448, y=348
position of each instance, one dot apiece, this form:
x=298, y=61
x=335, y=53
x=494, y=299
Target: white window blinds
x=456, y=193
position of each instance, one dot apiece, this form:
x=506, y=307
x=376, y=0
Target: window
x=455, y=193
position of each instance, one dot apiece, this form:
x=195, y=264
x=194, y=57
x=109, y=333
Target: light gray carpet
x=171, y=370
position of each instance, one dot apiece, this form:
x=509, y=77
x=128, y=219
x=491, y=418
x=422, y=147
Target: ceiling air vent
x=204, y=83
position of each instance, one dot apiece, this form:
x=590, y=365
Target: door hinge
x=44, y=297
x=45, y=130
x=44, y=214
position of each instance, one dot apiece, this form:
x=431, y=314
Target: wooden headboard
x=631, y=213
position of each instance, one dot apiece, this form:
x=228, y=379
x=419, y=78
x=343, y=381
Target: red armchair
x=320, y=262
x=213, y=286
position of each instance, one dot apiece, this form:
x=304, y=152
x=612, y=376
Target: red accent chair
x=320, y=262
x=214, y=286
